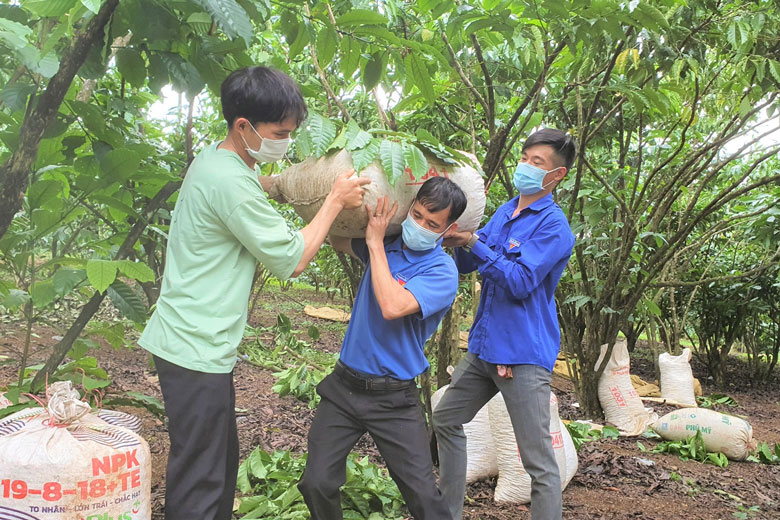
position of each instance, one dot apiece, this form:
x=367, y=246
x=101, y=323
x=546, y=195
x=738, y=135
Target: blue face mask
x=528, y=179
x=418, y=238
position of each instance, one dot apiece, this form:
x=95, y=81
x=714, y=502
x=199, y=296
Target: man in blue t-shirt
x=514, y=341
x=408, y=286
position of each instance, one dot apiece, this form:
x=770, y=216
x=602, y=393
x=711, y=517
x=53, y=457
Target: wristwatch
x=471, y=242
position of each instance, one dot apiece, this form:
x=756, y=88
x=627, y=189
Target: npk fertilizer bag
x=621, y=404
x=306, y=184
x=514, y=483
x=677, y=377
x=480, y=450
x=722, y=433
x=63, y=462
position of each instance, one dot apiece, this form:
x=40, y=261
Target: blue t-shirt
x=379, y=347
x=521, y=260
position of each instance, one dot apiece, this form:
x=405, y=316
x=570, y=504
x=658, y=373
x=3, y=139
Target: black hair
x=261, y=95
x=563, y=143
x=439, y=193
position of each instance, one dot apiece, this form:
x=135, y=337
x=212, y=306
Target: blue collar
x=536, y=206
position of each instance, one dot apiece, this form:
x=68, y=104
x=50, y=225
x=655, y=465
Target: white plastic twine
x=65, y=404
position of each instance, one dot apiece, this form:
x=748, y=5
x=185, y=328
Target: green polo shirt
x=222, y=226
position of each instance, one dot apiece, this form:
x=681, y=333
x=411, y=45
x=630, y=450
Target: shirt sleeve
x=465, y=260
x=435, y=288
x=267, y=236
x=522, y=270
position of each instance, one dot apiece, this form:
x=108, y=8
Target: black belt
x=377, y=384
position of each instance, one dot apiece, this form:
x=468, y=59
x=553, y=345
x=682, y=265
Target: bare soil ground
x=611, y=482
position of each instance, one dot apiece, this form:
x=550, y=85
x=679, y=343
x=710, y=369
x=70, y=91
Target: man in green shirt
x=222, y=226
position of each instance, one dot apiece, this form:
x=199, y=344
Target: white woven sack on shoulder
x=621, y=404
x=480, y=450
x=514, y=483
x=64, y=462
x=722, y=433
x=306, y=184
x=677, y=377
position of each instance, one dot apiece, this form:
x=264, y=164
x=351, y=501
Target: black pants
x=200, y=481
x=396, y=422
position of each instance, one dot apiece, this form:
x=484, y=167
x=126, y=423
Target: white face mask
x=271, y=150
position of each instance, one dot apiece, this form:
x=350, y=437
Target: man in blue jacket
x=514, y=341
x=409, y=284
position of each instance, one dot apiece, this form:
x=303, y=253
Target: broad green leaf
x=373, y=70
x=322, y=131
x=127, y=301
x=41, y=192
x=184, y=76
x=302, y=38
x=45, y=221
x=43, y=293
x=14, y=299
x=366, y=155
x=101, y=274
x=421, y=76
x=392, y=156
x=120, y=164
x=774, y=69
x=65, y=280
x=92, y=5
x=15, y=96
x=132, y=66
x=230, y=17
x=48, y=8
x=415, y=160
x=350, y=56
x=358, y=17
x=356, y=137
x=136, y=270
x=327, y=44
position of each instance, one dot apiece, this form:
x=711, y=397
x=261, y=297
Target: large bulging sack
x=514, y=483
x=63, y=462
x=306, y=184
x=621, y=404
x=722, y=433
x=677, y=377
x=480, y=451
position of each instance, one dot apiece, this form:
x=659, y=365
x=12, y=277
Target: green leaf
x=421, y=77
x=373, y=70
x=132, y=66
x=183, y=74
x=15, y=96
x=322, y=131
x=48, y=8
x=356, y=137
x=137, y=399
x=43, y=191
x=774, y=69
x=43, y=293
x=230, y=17
x=14, y=299
x=350, y=56
x=136, y=270
x=127, y=301
x=392, y=156
x=101, y=274
x=313, y=332
x=358, y=17
x=366, y=155
x=415, y=160
x=92, y=5
x=120, y=164
x=327, y=44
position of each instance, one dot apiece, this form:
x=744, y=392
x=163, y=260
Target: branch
x=463, y=76
x=15, y=172
x=62, y=348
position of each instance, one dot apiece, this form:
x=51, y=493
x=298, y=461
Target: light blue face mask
x=418, y=238
x=528, y=178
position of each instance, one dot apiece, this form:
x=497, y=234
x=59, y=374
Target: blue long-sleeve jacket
x=521, y=260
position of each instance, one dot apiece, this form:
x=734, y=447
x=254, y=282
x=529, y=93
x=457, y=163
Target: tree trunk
x=15, y=172
x=449, y=338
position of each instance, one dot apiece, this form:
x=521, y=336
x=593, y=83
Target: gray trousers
x=527, y=398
